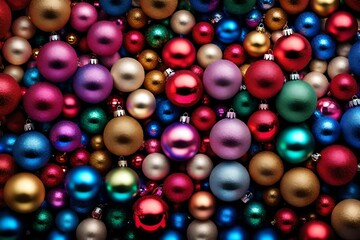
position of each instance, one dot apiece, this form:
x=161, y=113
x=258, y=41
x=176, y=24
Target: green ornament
x=244, y=104
x=42, y=221
x=93, y=120
x=115, y=217
x=239, y=7
x=157, y=35
x=296, y=101
x=254, y=214
x=184, y=5
x=295, y=144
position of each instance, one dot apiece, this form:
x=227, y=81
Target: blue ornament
x=179, y=220
x=254, y=214
x=204, y=6
x=32, y=150
x=153, y=129
x=243, y=33
x=83, y=207
x=348, y=191
x=266, y=234
x=225, y=216
x=354, y=58
x=57, y=235
x=253, y=18
x=85, y=140
x=171, y=235
x=31, y=76
x=7, y=142
x=83, y=183
x=323, y=46
x=11, y=227
x=66, y=220
x=227, y=30
x=234, y=233
x=350, y=126
x=167, y=112
x=264, y=5
x=307, y=24
x=229, y=181
x=115, y=7
x=326, y=130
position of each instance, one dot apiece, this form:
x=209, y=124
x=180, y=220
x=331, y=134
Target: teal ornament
x=115, y=217
x=296, y=101
x=238, y=7
x=42, y=221
x=244, y=104
x=254, y=214
x=93, y=120
x=295, y=144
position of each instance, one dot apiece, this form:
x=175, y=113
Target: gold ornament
x=23, y=27
x=207, y=54
x=96, y=142
x=266, y=168
x=318, y=81
x=72, y=39
x=202, y=230
x=257, y=43
x=141, y=104
x=299, y=187
x=345, y=219
x=49, y=15
x=17, y=50
x=324, y=8
x=136, y=18
x=182, y=22
x=275, y=18
x=24, y=192
x=15, y=71
x=244, y=68
x=272, y=196
x=101, y=161
x=155, y=81
x=149, y=59
x=158, y=9
x=338, y=65
x=317, y=65
x=128, y=74
x=202, y=205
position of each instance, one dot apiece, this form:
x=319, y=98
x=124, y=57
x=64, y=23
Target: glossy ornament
x=227, y=30
x=329, y=107
x=326, y=130
x=228, y=174
x=182, y=22
x=207, y=54
x=134, y=41
x=5, y=18
x=202, y=229
x=42, y=221
x=157, y=35
x=71, y=107
x=199, y=167
x=203, y=33
x=350, y=127
x=136, y=18
x=167, y=112
x=7, y=167
x=264, y=79
x=253, y=18
x=83, y=183
x=155, y=166
x=338, y=65
x=16, y=50
x=65, y=136
x=115, y=8
x=238, y=7
x=150, y=214
x=254, y=214
x=57, y=67
x=178, y=187
x=222, y=84
x=122, y=184
x=203, y=118
x=257, y=43
x=271, y=196
x=345, y=219
x=128, y=74
x=294, y=7
x=49, y=16
x=323, y=46
x=104, y=38
x=286, y=220
x=178, y=53
x=11, y=226
x=343, y=86
x=93, y=120
x=184, y=88
x=57, y=198
x=24, y=192
x=324, y=205
x=275, y=18
x=235, y=53
x=244, y=104
x=296, y=101
x=318, y=81
x=66, y=220
x=299, y=187
x=92, y=83
x=324, y=8
x=91, y=228
x=307, y=24
x=316, y=229
x=202, y=205
x=354, y=58
x=10, y=94
x=266, y=168
x=141, y=104
x=101, y=161
x=342, y=26
x=158, y=9
x=83, y=15
x=155, y=81
x=149, y=59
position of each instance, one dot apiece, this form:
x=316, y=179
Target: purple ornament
x=57, y=198
x=222, y=79
x=180, y=141
x=104, y=38
x=57, y=61
x=83, y=15
x=65, y=136
x=93, y=83
x=230, y=138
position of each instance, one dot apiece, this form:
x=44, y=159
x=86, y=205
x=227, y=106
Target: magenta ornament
x=65, y=136
x=329, y=107
x=83, y=15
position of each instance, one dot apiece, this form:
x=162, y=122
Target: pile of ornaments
x=179, y=119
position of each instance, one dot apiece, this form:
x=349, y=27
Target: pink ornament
x=65, y=136
x=230, y=138
x=84, y=60
x=43, y=102
x=83, y=15
x=152, y=145
x=71, y=105
x=108, y=61
x=57, y=61
x=79, y=157
x=222, y=79
x=329, y=107
x=104, y=38
x=57, y=198
x=178, y=187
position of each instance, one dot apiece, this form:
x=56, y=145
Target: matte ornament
x=10, y=94
x=345, y=219
x=350, y=127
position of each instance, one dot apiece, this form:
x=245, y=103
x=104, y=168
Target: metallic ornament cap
x=119, y=112
x=29, y=126
x=216, y=18
x=231, y=114
x=247, y=197
x=354, y=102
x=287, y=31
x=316, y=157
x=54, y=37
x=263, y=106
x=168, y=72
x=294, y=76
x=93, y=60
x=97, y=213
x=185, y=118
x=122, y=162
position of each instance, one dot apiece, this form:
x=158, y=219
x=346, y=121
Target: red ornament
x=18, y=4
x=292, y=52
x=286, y=220
x=342, y=26
x=329, y=107
x=178, y=187
x=71, y=106
x=5, y=19
x=137, y=160
x=197, y=70
x=15, y=121
x=134, y=41
x=203, y=118
x=264, y=79
x=184, y=88
x=235, y=53
x=337, y=165
x=353, y=4
x=113, y=101
x=83, y=45
x=203, y=33
x=324, y=205
x=152, y=145
x=315, y=230
x=52, y=175
x=7, y=167
x=79, y=157
x=343, y=86
x=178, y=53
x=150, y=213
x=263, y=125
x=10, y=92
x=61, y=157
